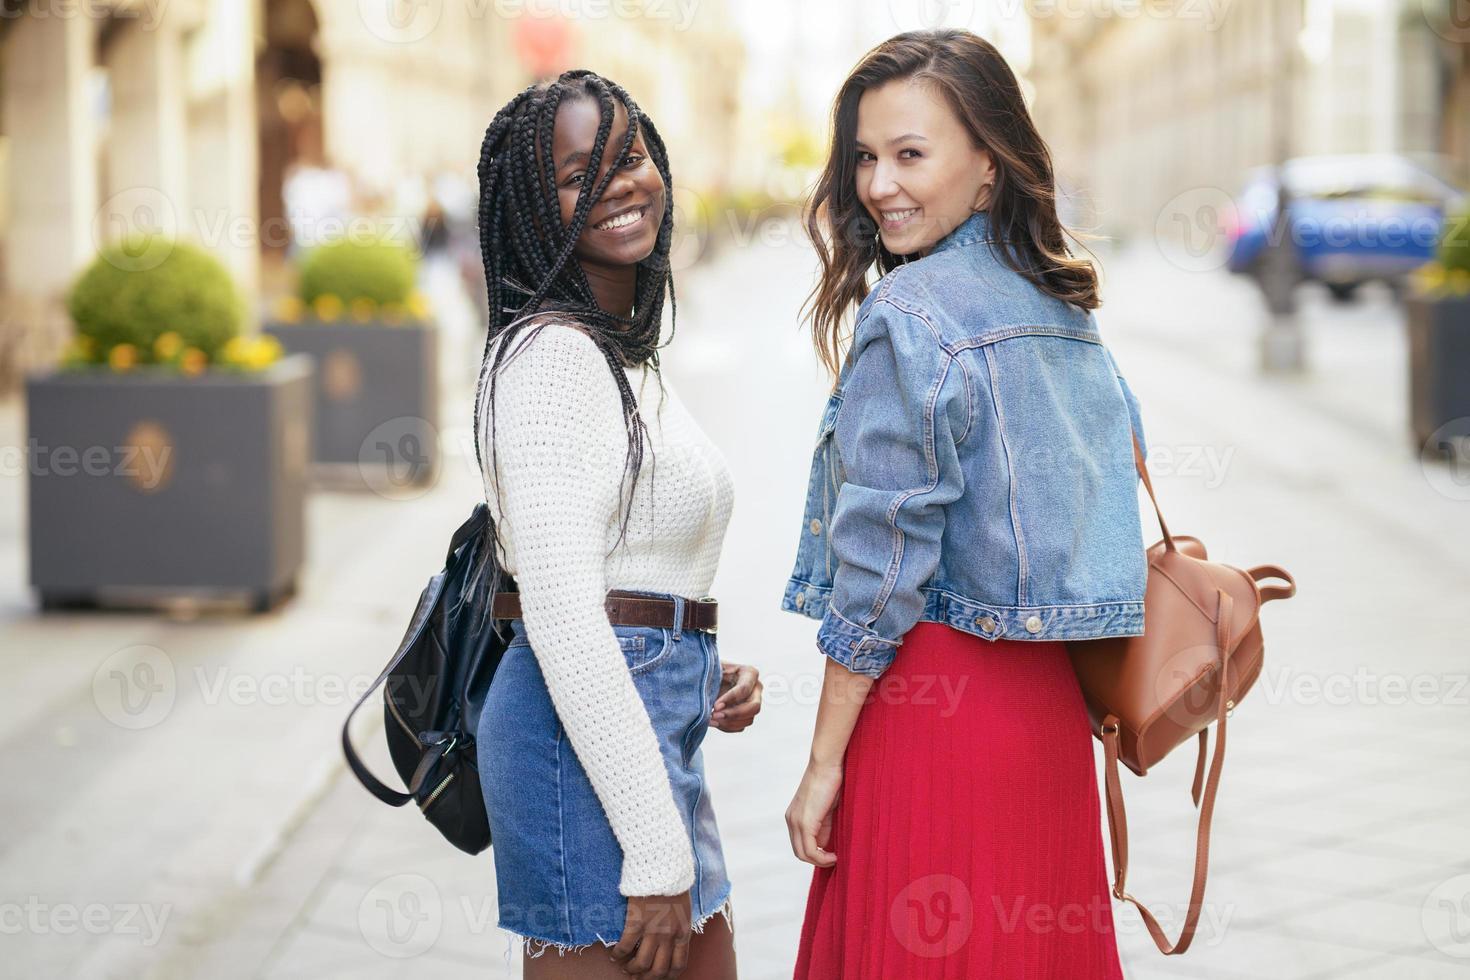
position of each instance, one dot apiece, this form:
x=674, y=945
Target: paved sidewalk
x=1338, y=847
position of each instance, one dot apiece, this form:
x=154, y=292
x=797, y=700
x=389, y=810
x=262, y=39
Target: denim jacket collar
x=975, y=228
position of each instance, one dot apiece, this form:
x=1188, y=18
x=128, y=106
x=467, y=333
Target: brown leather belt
x=630, y=609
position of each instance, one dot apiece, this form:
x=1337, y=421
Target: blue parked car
x=1353, y=218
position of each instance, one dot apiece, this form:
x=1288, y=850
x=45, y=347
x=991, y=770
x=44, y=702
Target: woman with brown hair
x=972, y=506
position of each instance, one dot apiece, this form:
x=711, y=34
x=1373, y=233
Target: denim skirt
x=557, y=863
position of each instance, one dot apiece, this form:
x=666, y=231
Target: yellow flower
x=364, y=309
x=289, y=309
x=167, y=344
x=418, y=305
x=264, y=351
x=327, y=306
x=122, y=357
x=1428, y=278
x=234, y=349
x=193, y=361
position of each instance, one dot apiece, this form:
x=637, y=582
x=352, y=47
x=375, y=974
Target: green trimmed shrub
x=382, y=271
x=137, y=289
x=1454, y=243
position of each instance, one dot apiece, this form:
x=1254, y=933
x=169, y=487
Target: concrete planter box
x=149, y=485
x=1439, y=370
x=377, y=400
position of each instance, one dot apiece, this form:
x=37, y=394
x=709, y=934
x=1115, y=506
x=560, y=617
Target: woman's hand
x=809, y=817
x=655, y=940
x=740, y=698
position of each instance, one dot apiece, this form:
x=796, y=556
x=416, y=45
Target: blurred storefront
x=1145, y=101
x=202, y=118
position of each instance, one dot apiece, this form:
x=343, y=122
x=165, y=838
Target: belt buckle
x=708, y=599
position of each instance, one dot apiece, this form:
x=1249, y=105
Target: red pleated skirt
x=968, y=832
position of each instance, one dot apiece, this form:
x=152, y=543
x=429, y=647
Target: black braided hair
x=530, y=269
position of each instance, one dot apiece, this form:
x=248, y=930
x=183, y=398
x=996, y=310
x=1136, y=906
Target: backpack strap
x=1118, y=819
x=427, y=601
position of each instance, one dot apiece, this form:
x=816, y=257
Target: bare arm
x=809, y=817
x=843, y=694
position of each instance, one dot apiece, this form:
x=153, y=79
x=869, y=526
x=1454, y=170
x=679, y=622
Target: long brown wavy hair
x=982, y=90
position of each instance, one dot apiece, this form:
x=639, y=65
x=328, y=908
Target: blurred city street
x=176, y=782
x=197, y=200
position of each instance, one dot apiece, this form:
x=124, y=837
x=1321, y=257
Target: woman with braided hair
x=589, y=741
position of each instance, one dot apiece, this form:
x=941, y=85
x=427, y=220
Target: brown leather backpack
x=1201, y=651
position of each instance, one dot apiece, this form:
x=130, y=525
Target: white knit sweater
x=560, y=443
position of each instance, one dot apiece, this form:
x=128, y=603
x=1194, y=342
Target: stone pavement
x=222, y=838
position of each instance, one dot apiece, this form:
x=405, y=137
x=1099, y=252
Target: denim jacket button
x=1033, y=625
x=985, y=623
x=800, y=599
x=816, y=526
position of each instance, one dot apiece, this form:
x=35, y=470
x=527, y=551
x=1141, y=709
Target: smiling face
x=919, y=174
x=622, y=228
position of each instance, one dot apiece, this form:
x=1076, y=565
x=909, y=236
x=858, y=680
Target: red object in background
x=543, y=45
x=968, y=832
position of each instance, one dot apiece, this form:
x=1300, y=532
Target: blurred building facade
x=190, y=117
x=1155, y=100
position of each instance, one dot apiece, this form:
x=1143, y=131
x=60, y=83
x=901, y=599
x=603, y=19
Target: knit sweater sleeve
x=559, y=442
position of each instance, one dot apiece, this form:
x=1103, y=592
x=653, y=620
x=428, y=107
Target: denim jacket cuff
x=860, y=650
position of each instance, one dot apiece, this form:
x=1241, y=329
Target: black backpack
x=436, y=686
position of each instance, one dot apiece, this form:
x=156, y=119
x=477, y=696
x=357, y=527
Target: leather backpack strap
x=1149, y=486
x=1118, y=820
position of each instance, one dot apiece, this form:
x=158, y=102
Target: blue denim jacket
x=973, y=467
